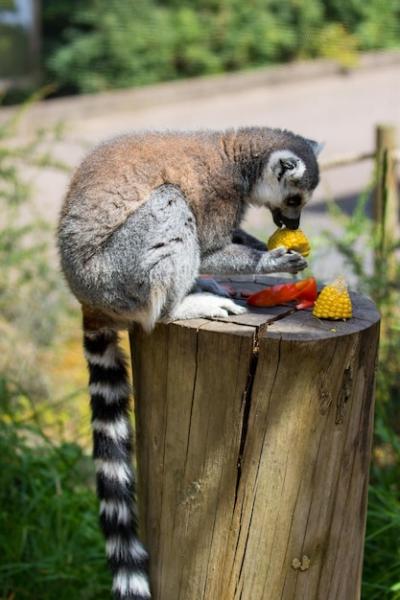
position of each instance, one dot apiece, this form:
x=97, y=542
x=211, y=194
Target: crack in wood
x=246, y=403
x=344, y=395
x=259, y=329
x=239, y=578
x=196, y=363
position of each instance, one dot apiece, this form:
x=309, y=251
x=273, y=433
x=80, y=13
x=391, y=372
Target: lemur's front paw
x=281, y=260
x=289, y=261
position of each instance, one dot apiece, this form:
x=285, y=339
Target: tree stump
x=253, y=439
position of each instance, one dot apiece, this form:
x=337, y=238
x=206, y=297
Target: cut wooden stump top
x=284, y=321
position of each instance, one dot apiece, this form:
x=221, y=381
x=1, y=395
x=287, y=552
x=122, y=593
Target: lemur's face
x=286, y=185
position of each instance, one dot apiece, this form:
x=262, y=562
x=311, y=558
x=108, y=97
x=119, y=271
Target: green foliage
x=99, y=45
x=375, y=23
x=359, y=240
x=50, y=542
x=113, y=44
x=336, y=43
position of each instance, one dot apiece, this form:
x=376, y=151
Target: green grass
x=50, y=544
x=381, y=580
x=381, y=576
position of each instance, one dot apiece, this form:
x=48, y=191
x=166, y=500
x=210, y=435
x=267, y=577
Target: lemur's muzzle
x=289, y=222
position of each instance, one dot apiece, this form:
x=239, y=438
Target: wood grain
x=253, y=452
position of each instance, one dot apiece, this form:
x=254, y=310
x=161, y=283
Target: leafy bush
x=99, y=45
x=336, y=43
x=375, y=23
x=112, y=45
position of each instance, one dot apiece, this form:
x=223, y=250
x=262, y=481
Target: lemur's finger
x=296, y=258
x=278, y=252
x=289, y=262
x=297, y=263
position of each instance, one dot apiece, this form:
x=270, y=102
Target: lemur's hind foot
x=196, y=306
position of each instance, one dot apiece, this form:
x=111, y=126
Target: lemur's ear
x=287, y=164
x=284, y=166
x=317, y=147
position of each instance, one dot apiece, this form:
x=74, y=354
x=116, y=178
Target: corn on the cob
x=292, y=240
x=334, y=301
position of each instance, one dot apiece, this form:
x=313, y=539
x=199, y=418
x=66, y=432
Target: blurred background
x=73, y=73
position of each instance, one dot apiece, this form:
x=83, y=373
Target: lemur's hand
x=281, y=260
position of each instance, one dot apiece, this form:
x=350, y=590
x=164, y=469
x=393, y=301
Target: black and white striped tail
x=112, y=446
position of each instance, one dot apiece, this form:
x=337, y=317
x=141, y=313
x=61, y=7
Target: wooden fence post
x=253, y=439
x=385, y=199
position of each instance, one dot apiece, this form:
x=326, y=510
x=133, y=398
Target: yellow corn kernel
x=291, y=239
x=334, y=301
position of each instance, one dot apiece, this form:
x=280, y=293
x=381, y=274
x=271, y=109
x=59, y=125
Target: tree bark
x=253, y=440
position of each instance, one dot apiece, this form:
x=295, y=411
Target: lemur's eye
x=294, y=200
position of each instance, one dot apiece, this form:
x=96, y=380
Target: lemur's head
x=288, y=177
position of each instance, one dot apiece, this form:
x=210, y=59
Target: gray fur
x=236, y=259
x=132, y=251
x=147, y=266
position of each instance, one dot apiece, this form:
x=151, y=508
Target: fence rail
x=344, y=160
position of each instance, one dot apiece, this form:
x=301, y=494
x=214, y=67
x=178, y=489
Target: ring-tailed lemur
x=144, y=214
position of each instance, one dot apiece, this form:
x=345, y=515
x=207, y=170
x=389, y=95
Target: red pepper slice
x=274, y=295
x=306, y=289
